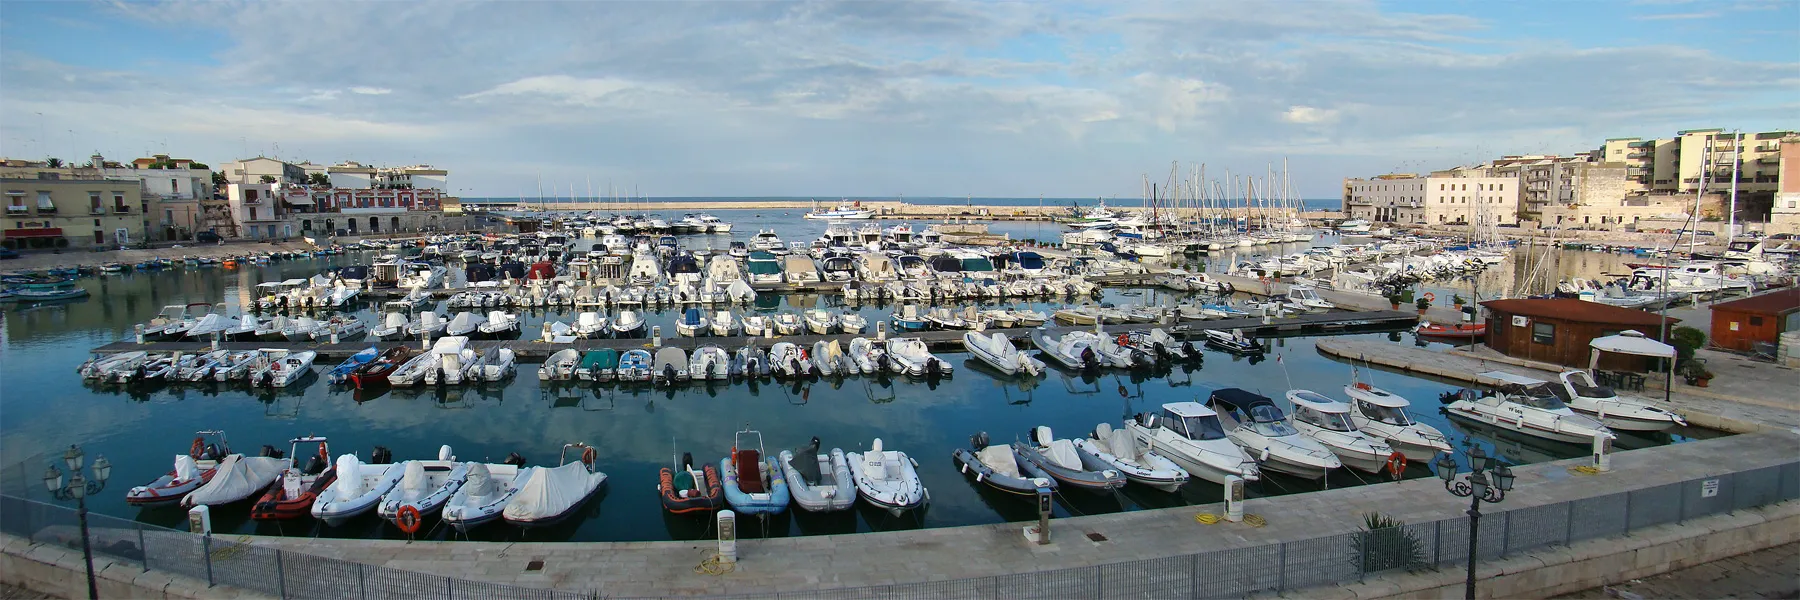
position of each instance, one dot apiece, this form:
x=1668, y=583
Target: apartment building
x=1676, y=164
x=1785, y=214
x=1461, y=195
x=252, y=170
x=62, y=207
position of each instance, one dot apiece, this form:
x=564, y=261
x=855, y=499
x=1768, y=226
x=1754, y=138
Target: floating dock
x=533, y=350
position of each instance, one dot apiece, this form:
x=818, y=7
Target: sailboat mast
x=1737, y=141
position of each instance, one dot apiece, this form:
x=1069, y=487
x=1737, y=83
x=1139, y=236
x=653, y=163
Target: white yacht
x=1328, y=421
x=1190, y=435
x=1382, y=414
x=1253, y=422
x=1533, y=411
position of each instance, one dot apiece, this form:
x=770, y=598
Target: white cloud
x=370, y=91
x=1307, y=115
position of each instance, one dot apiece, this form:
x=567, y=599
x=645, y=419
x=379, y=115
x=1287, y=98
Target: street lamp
x=1487, y=481
x=78, y=489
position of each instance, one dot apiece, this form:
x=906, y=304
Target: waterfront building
x=252, y=170
x=1557, y=330
x=1785, y=214
x=1457, y=196
x=70, y=207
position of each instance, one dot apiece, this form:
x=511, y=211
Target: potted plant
x=1458, y=300
x=1422, y=304
x=1394, y=299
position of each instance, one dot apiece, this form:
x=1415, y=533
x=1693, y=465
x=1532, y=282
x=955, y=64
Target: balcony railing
x=97, y=210
x=46, y=208
x=1769, y=160
x=17, y=209
x=121, y=210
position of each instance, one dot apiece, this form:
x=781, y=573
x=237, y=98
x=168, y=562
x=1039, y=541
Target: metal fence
x=1235, y=572
x=220, y=561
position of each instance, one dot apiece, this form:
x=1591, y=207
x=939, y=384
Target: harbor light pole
x=78, y=489
x=1487, y=481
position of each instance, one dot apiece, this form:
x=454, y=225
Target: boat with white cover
x=818, y=481
x=392, y=327
x=238, y=478
x=550, y=495
x=753, y=483
x=999, y=353
x=1063, y=463
x=628, y=324
x=1108, y=448
x=916, y=358
x=1261, y=429
x=425, y=485
x=465, y=324
x=499, y=324
x=560, y=366
x=999, y=466
x=358, y=488
x=1382, y=414
x=1190, y=435
x=485, y=493
x=887, y=479
x=191, y=471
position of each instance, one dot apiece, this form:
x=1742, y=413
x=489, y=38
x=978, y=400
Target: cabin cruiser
x=1190, y=435
x=1382, y=414
x=1307, y=299
x=1328, y=421
x=1578, y=390
x=763, y=267
x=1533, y=410
x=1253, y=422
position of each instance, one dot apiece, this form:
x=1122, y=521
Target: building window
x=15, y=202
x=1543, y=333
x=94, y=203
x=1756, y=321
x=44, y=202
x=119, y=203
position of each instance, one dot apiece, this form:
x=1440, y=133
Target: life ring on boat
x=407, y=519
x=1362, y=386
x=1396, y=464
x=1123, y=340
x=1430, y=297
x=588, y=456
x=198, y=448
x=275, y=367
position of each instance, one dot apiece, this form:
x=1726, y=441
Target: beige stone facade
x=1456, y=196
x=49, y=210
x=1784, y=216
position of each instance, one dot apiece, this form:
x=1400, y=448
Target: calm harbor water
x=44, y=407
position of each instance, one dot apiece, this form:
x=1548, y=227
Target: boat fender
x=1265, y=455
x=978, y=477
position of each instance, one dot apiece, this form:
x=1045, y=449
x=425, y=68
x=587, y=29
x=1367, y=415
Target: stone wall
x=60, y=572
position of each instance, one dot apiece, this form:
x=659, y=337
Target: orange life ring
x=588, y=456
x=324, y=453
x=1430, y=297
x=1123, y=340
x=1396, y=464
x=198, y=448
x=407, y=519
x=1362, y=386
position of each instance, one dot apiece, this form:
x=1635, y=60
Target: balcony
x=121, y=210
x=1769, y=160
x=96, y=210
x=1638, y=155
x=17, y=209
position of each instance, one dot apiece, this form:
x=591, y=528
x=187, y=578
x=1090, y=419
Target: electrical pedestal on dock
x=1602, y=453
x=1234, y=498
x=1040, y=533
x=727, y=537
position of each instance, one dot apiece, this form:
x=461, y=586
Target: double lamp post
x=78, y=489
x=1487, y=481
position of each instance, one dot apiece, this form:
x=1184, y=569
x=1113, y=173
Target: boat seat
x=806, y=462
x=1062, y=452
x=999, y=457
x=1123, y=445
x=1103, y=438
x=684, y=480
x=749, y=467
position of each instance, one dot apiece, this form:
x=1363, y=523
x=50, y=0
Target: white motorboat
x=709, y=363
x=278, y=368
x=359, y=487
x=670, y=366
x=786, y=361
x=393, y=327
x=818, y=481
x=723, y=324
x=628, y=324
x=550, y=495
x=1108, y=448
x=465, y=324
x=1534, y=411
x=1262, y=430
x=425, y=486
x=496, y=364
x=887, y=479
x=852, y=323
x=756, y=325
x=450, y=356
x=1069, y=350
x=1190, y=435
x=192, y=470
x=1618, y=413
x=1306, y=298
x=821, y=321
x=429, y=323
x=300, y=330
x=498, y=324
x=485, y=494
x=1061, y=461
x=916, y=359
x=590, y=325
x=1382, y=414
x=219, y=323
x=560, y=366
x=413, y=370
x=1233, y=341
x=1328, y=421
x=998, y=352
x=870, y=356
x=826, y=358
x=692, y=323
x=344, y=327
x=788, y=324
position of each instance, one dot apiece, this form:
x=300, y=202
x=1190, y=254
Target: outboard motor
x=268, y=379
x=815, y=372
x=315, y=465
x=933, y=369
x=1089, y=362
x=979, y=441
x=381, y=456
x=669, y=374
x=1188, y=349
x=1162, y=352
x=271, y=452
x=514, y=459
x=881, y=362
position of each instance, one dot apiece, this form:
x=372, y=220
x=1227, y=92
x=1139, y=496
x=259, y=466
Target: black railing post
x=280, y=575
x=145, y=550
x=206, y=546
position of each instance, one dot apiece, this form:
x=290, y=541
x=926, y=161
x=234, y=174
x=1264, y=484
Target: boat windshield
x=1324, y=420
x=1202, y=428
x=1539, y=397
x=1030, y=261
x=1268, y=420
x=1385, y=414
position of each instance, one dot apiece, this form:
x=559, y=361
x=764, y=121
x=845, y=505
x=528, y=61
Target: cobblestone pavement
x=1772, y=573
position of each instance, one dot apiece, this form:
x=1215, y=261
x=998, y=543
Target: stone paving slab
x=666, y=568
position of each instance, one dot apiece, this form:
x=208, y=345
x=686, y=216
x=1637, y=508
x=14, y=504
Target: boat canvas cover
x=1511, y=378
x=1240, y=398
x=606, y=358
x=238, y=477
x=349, y=481
x=185, y=468
x=551, y=492
x=451, y=345
x=999, y=457
x=1632, y=342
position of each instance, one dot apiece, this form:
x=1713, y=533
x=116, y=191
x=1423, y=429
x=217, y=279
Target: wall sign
x=1709, y=488
x=1521, y=321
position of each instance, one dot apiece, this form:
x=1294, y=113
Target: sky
x=878, y=99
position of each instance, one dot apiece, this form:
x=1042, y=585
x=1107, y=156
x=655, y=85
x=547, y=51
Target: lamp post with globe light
x=78, y=489
x=1487, y=481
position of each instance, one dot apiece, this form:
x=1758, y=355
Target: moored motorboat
x=670, y=366
x=1063, y=463
x=753, y=483
x=1617, y=412
x=634, y=365
x=560, y=366
x=1254, y=423
x=1190, y=435
x=1108, y=448
x=818, y=481
x=1530, y=410
x=358, y=488
x=1328, y=421
x=279, y=368
x=550, y=495
x=999, y=353
x=887, y=479
x=299, y=484
x=1459, y=331
x=917, y=360
x=191, y=471
x=1233, y=341
x=486, y=492
x=376, y=372
x=1382, y=414
x=688, y=489
x=236, y=478
x=425, y=486
x=341, y=373
x=999, y=466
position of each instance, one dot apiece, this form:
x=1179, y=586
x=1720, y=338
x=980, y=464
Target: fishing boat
x=998, y=352
x=376, y=372
x=687, y=489
x=560, y=366
x=192, y=470
x=341, y=374
x=887, y=479
x=486, y=492
x=1190, y=435
x=753, y=483
x=1059, y=459
x=425, y=486
x=1458, y=331
x=999, y=466
x=358, y=488
x=550, y=495
x=293, y=493
x=1382, y=414
x=1254, y=423
x=1328, y=421
x=1108, y=448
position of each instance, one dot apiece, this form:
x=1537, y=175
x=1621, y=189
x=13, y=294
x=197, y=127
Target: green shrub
x=1384, y=544
x=1686, y=340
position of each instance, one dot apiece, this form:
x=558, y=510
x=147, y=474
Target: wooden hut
x=1557, y=330
x=1740, y=324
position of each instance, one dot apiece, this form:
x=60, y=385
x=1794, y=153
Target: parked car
x=207, y=237
x=6, y=253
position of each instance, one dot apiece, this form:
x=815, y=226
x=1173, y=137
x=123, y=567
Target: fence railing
x=1228, y=573
x=218, y=560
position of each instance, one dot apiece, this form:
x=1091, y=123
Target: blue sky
x=885, y=98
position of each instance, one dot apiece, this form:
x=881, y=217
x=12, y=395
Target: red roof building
x=1557, y=330
x=1740, y=324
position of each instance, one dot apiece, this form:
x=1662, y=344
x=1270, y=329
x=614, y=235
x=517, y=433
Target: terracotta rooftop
x=1571, y=309
x=1772, y=304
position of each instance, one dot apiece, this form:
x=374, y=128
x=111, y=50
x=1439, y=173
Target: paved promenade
x=841, y=561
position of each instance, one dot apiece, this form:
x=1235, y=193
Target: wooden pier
x=528, y=350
